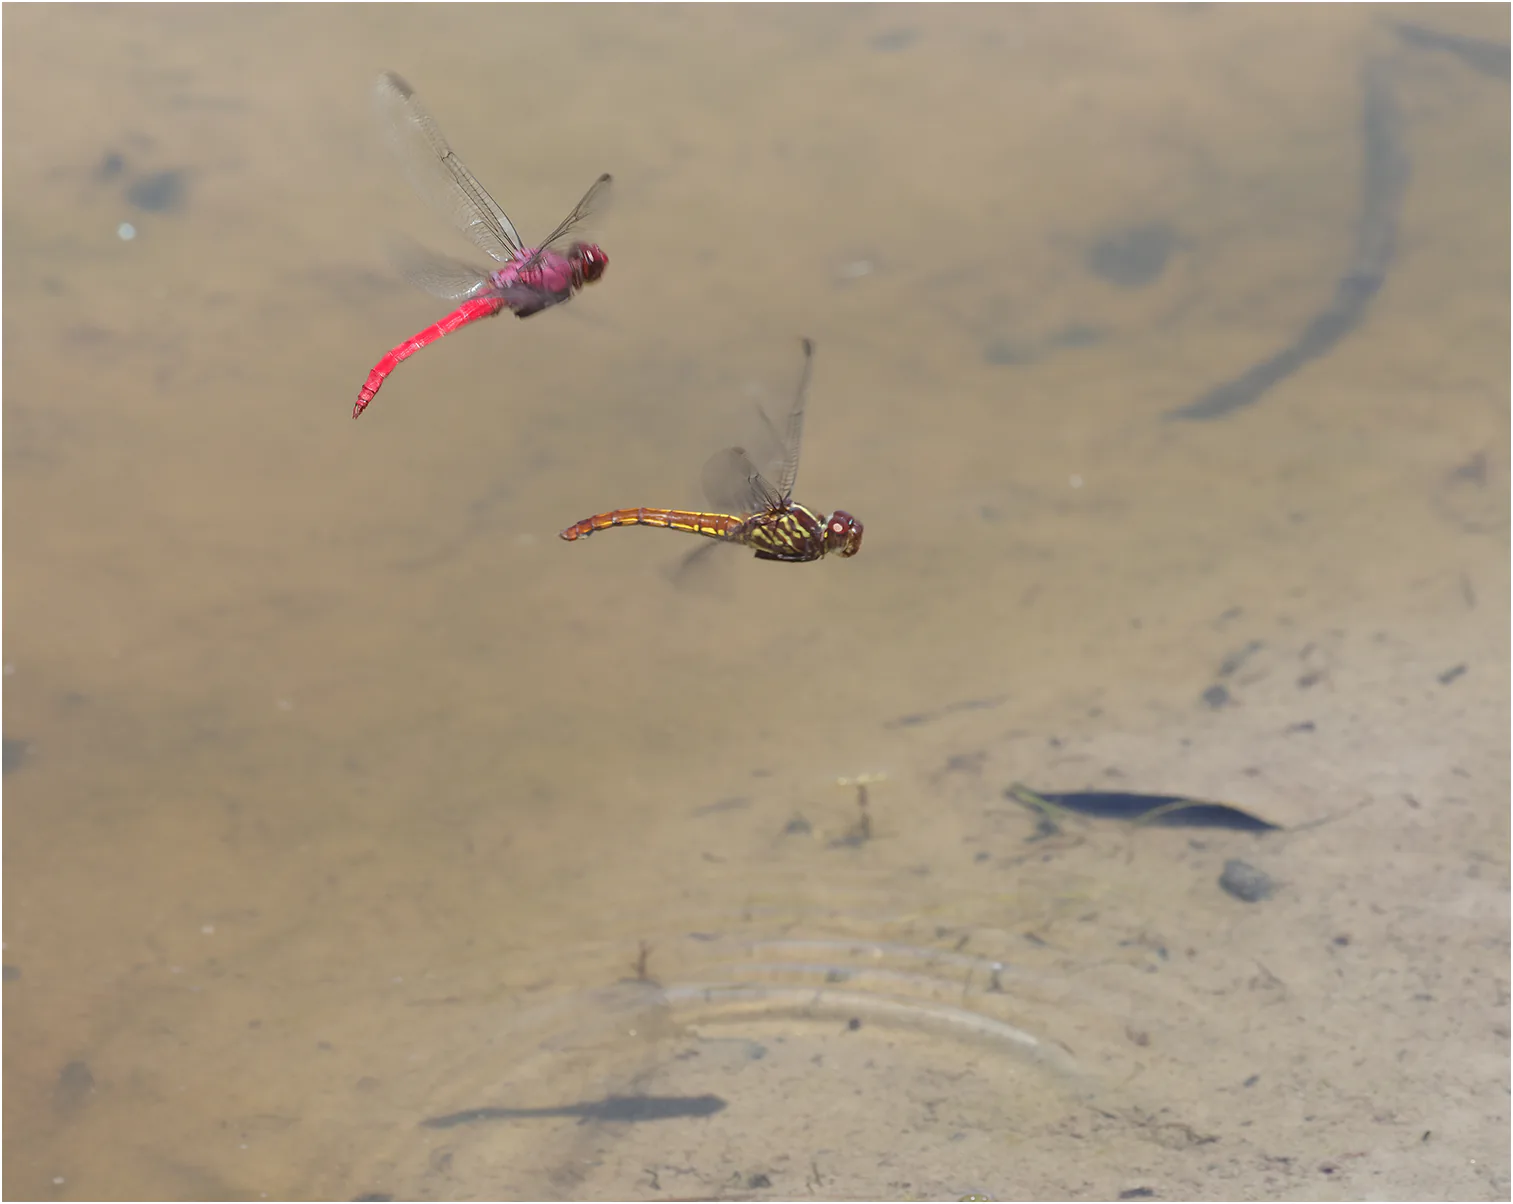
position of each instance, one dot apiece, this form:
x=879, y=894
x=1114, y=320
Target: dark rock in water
x=895, y=40
x=12, y=973
x=1245, y=882
x=1006, y=353
x=1077, y=335
x=15, y=754
x=1133, y=257
x=161, y=192
x=75, y=1085
x=1232, y=663
x=111, y=165
x=1216, y=696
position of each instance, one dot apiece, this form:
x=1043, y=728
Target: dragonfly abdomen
x=715, y=526
x=469, y=311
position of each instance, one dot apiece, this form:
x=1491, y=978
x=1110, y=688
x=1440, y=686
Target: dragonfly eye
x=591, y=261
x=843, y=534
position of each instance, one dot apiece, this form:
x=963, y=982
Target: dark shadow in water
x=623, y=1108
x=1490, y=58
x=15, y=754
x=1384, y=182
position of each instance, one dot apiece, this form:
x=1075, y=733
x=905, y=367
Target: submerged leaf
x=1168, y=810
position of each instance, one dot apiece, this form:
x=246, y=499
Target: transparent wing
x=437, y=174
x=439, y=275
x=692, y=570
x=794, y=435
x=735, y=480
x=592, y=204
x=734, y=485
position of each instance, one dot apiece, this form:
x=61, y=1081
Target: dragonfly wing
x=736, y=486
x=736, y=479
x=439, y=275
x=592, y=204
x=793, y=436
x=692, y=569
x=437, y=174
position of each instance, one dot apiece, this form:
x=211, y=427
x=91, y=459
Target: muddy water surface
x=343, y=797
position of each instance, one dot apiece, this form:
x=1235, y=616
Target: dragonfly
x=750, y=509
x=525, y=279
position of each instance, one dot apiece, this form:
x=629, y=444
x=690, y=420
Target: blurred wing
x=592, y=204
x=693, y=570
x=736, y=486
x=437, y=174
x=794, y=435
x=733, y=478
x=439, y=275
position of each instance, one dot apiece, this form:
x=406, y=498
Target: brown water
x=347, y=794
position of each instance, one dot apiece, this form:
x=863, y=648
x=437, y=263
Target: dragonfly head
x=589, y=260
x=843, y=534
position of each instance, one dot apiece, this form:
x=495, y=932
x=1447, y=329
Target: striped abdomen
x=716, y=526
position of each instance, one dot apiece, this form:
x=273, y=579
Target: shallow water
x=344, y=795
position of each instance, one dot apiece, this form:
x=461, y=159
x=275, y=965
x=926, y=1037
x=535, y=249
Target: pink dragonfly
x=525, y=280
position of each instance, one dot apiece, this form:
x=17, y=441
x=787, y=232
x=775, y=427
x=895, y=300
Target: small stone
x=1216, y=696
x=894, y=40
x=1245, y=882
x=161, y=192
x=1133, y=257
x=75, y=1085
x=1007, y=353
x=1076, y=336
